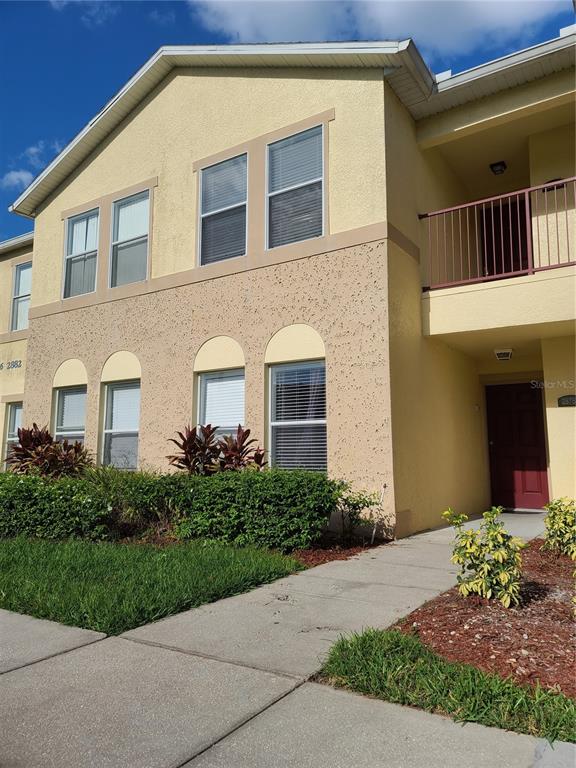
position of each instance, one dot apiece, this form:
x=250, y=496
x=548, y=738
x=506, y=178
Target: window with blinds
x=70, y=414
x=81, y=254
x=298, y=415
x=21, y=296
x=295, y=188
x=121, y=425
x=130, y=239
x=223, y=210
x=221, y=400
x=13, y=424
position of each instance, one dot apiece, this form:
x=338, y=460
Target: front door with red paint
x=517, y=446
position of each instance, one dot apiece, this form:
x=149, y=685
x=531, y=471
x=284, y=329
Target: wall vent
x=503, y=354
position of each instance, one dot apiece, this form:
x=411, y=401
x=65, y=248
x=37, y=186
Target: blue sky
x=62, y=60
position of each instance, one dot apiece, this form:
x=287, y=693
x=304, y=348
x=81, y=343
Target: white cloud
x=440, y=27
x=94, y=13
x=16, y=179
x=162, y=18
x=34, y=155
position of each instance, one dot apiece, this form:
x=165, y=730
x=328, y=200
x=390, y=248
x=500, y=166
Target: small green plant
x=560, y=523
x=489, y=558
x=36, y=453
x=356, y=508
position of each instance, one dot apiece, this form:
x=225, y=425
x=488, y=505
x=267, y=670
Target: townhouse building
x=371, y=266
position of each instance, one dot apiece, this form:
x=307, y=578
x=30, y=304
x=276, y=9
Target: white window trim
x=283, y=366
x=77, y=255
x=65, y=434
x=268, y=194
x=202, y=377
x=202, y=216
x=106, y=431
x=15, y=296
x=140, y=238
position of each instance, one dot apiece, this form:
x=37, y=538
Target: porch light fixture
x=503, y=354
x=498, y=168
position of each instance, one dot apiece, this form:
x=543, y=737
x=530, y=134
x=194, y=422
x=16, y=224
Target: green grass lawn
x=114, y=587
x=399, y=668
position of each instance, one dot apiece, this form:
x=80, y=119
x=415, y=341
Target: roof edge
x=16, y=242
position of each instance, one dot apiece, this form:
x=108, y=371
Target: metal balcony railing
x=515, y=234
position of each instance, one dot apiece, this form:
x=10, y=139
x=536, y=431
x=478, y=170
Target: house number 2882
x=11, y=364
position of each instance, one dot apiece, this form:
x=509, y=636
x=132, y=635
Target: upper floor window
x=130, y=240
x=223, y=210
x=70, y=414
x=81, y=254
x=221, y=400
x=295, y=188
x=21, y=296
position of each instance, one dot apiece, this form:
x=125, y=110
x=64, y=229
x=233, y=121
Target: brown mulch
x=535, y=641
x=325, y=553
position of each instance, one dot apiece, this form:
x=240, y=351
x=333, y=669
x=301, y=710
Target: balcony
x=520, y=233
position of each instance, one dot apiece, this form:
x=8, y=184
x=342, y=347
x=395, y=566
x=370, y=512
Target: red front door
x=517, y=446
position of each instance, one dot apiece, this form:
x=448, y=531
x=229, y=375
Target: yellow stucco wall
x=545, y=297
x=559, y=363
x=416, y=181
x=552, y=154
x=194, y=114
x=438, y=432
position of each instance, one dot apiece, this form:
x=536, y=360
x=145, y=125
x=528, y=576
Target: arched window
x=69, y=401
x=121, y=418
x=295, y=357
x=219, y=369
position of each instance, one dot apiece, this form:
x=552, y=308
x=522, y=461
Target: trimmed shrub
x=281, y=509
x=52, y=509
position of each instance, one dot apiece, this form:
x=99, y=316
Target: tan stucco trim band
x=9, y=336
x=317, y=246
x=12, y=398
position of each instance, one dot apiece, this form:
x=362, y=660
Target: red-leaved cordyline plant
x=37, y=453
x=198, y=450
x=200, y=453
x=236, y=451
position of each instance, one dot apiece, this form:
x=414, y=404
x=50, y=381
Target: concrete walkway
x=227, y=684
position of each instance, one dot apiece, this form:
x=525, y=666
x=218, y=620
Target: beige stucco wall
x=194, y=114
x=559, y=363
x=440, y=455
x=341, y=295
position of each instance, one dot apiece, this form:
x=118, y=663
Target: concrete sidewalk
x=226, y=684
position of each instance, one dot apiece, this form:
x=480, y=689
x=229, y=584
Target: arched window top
x=295, y=342
x=121, y=366
x=218, y=354
x=70, y=373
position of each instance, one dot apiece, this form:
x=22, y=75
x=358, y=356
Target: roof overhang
x=400, y=61
x=21, y=241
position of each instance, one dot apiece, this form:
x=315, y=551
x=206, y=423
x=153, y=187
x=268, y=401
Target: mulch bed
x=535, y=641
x=325, y=553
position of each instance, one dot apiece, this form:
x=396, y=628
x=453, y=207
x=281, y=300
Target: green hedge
x=52, y=509
x=279, y=509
